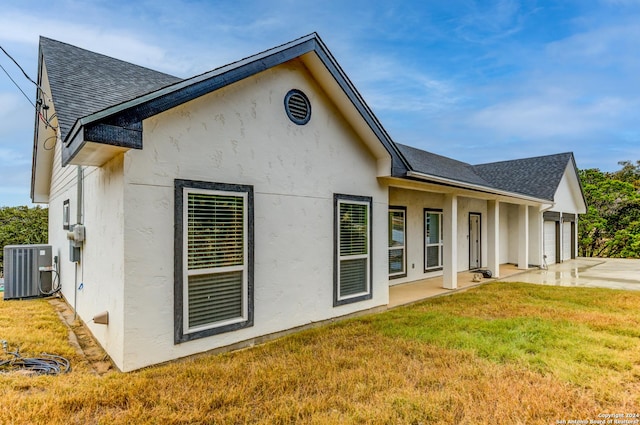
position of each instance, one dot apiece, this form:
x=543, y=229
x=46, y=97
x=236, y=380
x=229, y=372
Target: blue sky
x=478, y=81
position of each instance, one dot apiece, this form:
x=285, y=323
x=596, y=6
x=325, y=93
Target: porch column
x=450, y=242
x=523, y=237
x=493, y=237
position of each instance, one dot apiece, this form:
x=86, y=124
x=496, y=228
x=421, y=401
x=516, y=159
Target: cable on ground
x=46, y=364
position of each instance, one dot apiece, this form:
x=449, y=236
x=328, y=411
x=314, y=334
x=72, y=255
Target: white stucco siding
x=508, y=233
x=415, y=202
x=95, y=284
x=241, y=135
x=101, y=270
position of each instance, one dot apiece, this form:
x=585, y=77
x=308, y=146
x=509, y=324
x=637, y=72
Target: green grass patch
x=581, y=335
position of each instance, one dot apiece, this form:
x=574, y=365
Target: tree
x=611, y=226
x=630, y=173
x=22, y=225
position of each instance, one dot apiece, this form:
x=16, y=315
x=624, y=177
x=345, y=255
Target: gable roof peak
x=83, y=82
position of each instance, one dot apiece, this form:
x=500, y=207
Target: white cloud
x=548, y=117
x=486, y=21
x=388, y=84
x=122, y=44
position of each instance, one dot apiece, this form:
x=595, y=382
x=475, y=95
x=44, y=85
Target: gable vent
x=297, y=106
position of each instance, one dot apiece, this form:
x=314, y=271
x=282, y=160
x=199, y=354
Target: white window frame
x=403, y=272
x=213, y=270
x=182, y=331
x=367, y=294
x=439, y=244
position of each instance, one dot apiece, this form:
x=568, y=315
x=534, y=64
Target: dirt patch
x=82, y=340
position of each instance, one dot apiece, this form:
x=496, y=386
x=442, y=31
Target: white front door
x=474, y=241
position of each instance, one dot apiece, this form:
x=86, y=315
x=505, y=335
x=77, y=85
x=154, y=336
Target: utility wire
x=21, y=69
x=16, y=84
x=47, y=122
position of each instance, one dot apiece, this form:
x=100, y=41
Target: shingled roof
x=538, y=176
x=84, y=82
x=441, y=166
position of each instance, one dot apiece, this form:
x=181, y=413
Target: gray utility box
x=22, y=275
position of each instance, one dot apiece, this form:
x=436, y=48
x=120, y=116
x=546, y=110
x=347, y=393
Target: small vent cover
x=297, y=106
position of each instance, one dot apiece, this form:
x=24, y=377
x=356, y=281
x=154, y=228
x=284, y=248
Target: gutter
x=476, y=187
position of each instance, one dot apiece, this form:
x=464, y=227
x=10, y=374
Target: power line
x=40, y=101
x=16, y=84
x=21, y=69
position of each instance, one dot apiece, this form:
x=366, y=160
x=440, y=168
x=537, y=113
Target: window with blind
x=352, y=277
x=214, y=236
x=397, y=242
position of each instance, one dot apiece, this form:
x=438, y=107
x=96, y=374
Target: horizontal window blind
x=215, y=231
x=353, y=277
x=215, y=297
x=354, y=228
x=353, y=247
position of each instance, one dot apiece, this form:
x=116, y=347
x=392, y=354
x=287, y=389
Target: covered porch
x=408, y=293
x=443, y=232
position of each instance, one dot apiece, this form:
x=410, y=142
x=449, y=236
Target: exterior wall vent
x=23, y=277
x=297, y=106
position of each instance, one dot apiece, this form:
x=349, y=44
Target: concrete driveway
x=613, y=273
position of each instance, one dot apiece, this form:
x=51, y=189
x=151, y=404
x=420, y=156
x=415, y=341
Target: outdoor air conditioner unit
x=27, y=271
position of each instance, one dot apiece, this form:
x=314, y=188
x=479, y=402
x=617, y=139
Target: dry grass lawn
x=502, y=353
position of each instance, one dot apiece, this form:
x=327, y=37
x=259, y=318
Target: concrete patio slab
x=407, y=293
x=612, y=273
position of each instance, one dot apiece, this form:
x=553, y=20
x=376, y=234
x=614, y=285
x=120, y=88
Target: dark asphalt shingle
x=84, y=82
x=440, y=166
x=538, y=177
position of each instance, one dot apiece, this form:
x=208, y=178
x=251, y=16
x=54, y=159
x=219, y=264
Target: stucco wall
x=508, y=233
x=95, y=284
x=415, y=202
x=241, y=135
x=535, y=236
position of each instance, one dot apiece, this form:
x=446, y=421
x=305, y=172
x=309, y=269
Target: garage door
x=550, y=241
x=566, y=241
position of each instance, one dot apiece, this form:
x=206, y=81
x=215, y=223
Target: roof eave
x=130, y=114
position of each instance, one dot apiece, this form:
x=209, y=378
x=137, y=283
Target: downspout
x=80, y=191
x=79, y=186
